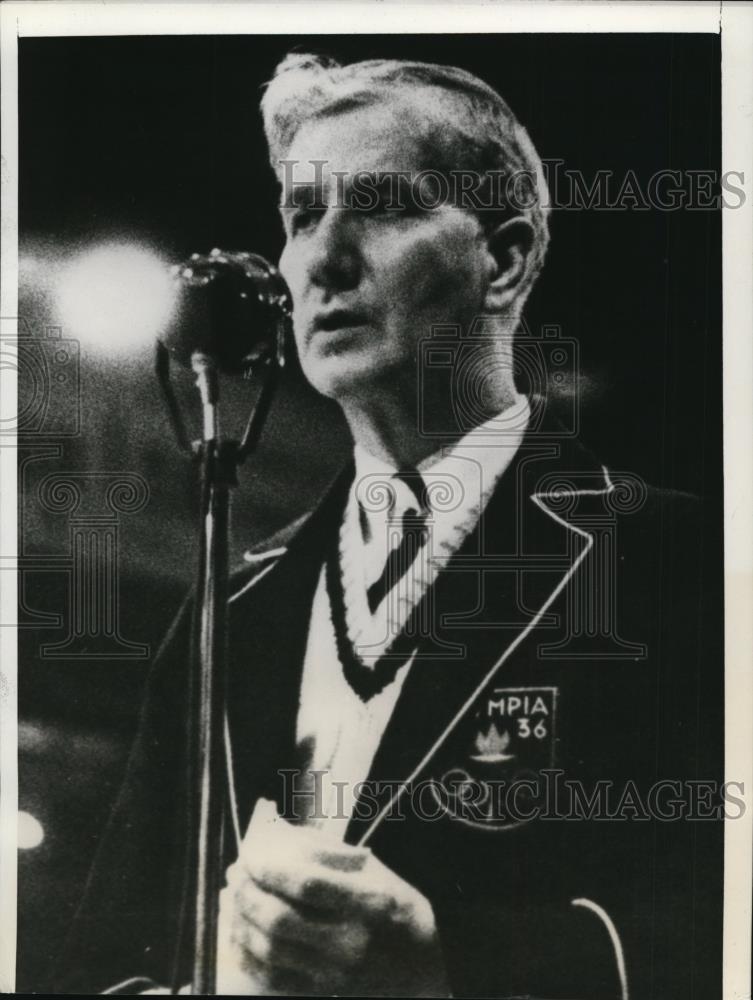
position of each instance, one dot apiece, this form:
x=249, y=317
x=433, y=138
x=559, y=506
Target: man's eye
x=388, y=198
x=301, y=219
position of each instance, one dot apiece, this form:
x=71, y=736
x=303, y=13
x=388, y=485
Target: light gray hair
x=468, y=125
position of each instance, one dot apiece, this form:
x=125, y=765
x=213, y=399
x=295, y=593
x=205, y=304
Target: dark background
x=159, y=140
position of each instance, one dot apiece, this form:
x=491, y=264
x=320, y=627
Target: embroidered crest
x=499, y=754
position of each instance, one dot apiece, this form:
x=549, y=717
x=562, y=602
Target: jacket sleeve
x=127, y=922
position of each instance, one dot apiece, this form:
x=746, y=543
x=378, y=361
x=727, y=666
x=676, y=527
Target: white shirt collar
x=459, y=481
x=459, y=478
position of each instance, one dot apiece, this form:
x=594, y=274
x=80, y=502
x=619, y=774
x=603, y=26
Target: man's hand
x=303, y=913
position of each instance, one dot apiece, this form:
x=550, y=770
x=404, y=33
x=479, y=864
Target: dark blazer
x=579, y=630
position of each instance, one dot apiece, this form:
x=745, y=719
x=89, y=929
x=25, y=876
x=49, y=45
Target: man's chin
x=346, y=378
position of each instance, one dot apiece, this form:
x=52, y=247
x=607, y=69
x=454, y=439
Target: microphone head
x=232, y=305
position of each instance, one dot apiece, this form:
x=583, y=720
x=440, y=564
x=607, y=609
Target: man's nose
x=335, y=261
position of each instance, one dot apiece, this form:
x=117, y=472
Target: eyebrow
x=301, y=195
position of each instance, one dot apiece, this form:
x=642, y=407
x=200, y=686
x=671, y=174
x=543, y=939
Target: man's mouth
x=337, y=319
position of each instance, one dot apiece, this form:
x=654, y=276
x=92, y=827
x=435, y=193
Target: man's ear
x=510, y=246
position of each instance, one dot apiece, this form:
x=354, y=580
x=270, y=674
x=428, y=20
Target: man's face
x=368, y=286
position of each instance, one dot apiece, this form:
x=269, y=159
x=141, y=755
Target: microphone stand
x=219, y=463
x=218, y=467
x=218, y=460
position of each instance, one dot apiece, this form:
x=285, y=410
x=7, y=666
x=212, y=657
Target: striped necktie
x=413, y=538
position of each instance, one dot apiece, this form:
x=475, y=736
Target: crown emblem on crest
x=491, y=746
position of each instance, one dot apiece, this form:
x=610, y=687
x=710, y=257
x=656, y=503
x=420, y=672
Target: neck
x=403, y=428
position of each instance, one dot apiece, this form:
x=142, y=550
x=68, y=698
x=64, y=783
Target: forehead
x=385, y=136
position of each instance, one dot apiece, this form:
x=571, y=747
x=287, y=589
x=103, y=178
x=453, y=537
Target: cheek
x=291, y=272
x=287, y=267
x=440, y=278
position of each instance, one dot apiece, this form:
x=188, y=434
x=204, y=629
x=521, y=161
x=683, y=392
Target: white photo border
x=735, y=24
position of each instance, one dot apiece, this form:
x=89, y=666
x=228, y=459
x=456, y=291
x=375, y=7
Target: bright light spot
x=29, y=267
x=30, y=832
x=115, y=297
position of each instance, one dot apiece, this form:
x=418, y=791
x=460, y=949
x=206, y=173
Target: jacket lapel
x=505, y=585
x=269, y=625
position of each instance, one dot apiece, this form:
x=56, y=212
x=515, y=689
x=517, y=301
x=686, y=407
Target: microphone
x=233, y=306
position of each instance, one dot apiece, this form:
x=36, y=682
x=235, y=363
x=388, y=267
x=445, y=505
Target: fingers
x=299, y=863
x=285, y=927
x=303, y=913
x=283, y=965
x=340, y=858
x=245, y=965
x=325, y=893
x=272, y=933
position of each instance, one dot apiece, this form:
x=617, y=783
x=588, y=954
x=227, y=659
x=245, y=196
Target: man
x=475, y=612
